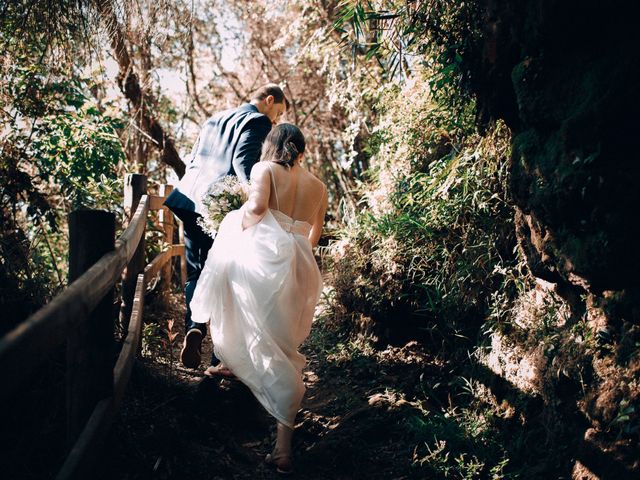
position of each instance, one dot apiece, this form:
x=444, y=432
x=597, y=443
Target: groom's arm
x=247, y=151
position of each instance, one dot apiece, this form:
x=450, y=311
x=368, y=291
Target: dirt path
x=176, y=424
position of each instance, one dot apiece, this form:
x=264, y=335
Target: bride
x=260, y=284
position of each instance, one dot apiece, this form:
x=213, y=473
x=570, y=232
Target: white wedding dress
x=258, y=289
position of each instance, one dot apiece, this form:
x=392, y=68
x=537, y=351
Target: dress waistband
x=290, y=225
x=301, y=228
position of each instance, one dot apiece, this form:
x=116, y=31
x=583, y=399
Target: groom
x=229, y=144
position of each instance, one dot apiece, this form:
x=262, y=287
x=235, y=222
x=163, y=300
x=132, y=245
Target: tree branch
x=130, y=86
x=192, y=75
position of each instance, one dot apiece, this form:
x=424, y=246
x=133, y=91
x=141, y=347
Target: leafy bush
x=435, y=228
x=58, y=152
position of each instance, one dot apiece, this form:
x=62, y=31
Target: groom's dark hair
x=270, y=89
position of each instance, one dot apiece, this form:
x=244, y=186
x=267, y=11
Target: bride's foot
x=282, y=461
x=219, y=371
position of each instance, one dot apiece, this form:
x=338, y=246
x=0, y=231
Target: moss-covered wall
x=565, y=76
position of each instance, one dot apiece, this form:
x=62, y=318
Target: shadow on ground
x=369, y=413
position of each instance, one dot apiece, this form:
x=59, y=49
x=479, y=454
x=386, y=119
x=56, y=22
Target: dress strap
x=273, y=182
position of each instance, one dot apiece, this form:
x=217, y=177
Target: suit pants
x=197, y=245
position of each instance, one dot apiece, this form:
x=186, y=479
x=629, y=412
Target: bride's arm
x=258, y=202
x=318, y=222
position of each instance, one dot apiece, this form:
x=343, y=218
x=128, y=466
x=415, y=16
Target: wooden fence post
x=90, y=346
x=135, y=186
x=166, y=220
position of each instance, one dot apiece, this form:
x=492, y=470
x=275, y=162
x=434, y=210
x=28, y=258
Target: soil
x=176, y=423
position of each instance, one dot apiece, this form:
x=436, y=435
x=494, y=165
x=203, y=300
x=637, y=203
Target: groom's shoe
x=191, y=350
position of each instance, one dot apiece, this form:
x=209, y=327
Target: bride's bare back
x=300, y=195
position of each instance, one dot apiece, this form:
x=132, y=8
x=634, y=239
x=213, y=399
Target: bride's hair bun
x=283, y=145
x=291, y=153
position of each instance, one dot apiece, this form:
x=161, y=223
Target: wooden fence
x=83, y=316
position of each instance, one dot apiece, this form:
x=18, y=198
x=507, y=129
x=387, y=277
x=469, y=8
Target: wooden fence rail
x=74, y=316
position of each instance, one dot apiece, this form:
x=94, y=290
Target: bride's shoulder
x=259, y=169
x=260, y=166
x=315, y=181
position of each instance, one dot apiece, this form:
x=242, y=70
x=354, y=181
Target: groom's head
x=270, y=100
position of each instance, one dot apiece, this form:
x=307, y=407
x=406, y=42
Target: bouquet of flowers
x=225, y=195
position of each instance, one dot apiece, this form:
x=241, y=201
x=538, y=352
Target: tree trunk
x=130, y=86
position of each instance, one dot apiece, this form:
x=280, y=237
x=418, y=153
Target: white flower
x=222, y=197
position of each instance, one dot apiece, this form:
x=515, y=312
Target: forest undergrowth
x=369, y=412
x=432, y=254
x=372, y=410
x=436, y=351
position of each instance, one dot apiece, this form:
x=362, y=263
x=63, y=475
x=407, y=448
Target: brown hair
x=283, y=145
x=273, y=90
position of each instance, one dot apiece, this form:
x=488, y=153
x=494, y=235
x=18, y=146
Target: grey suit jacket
x=229, y=144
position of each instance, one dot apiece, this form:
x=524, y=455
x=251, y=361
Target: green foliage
x=58, y=152
x=458, y=443
x=514, y=283
x=34, y=28
x=67, y=140
x=403, y=36
x=57, y=136
x=152, y=339
x=437, y=228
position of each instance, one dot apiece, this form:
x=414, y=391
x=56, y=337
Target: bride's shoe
x=283, y=462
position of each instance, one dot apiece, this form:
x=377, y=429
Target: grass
x=443, y=425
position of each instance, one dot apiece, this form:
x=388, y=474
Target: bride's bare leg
x=283, y=439
x=281, y=455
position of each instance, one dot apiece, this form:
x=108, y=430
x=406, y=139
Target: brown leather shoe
x=192, y=349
